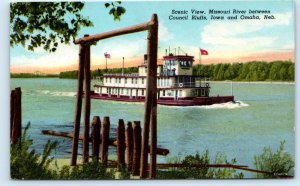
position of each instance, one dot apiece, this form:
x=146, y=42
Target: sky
x=227, y=41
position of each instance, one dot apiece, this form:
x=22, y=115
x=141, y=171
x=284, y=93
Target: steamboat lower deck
x=187, y=101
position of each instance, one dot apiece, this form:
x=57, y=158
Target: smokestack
x=145, y=59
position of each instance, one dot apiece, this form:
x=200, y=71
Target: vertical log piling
x=153, y=119
x=129, y=146
x=121, y=144
x=12, y=112
x=17, y=119
x=150, y=92
x=96, y=128
x=136, y=148
x=87, y=105
x=76, y=129
x=105, y=140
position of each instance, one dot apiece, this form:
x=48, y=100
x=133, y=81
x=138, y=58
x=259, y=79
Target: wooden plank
x=87, y=105
x=96, y=128
x=151, y=79
x=61, y=134
x=129, y=145
x=105, y=140
x=153, y=60
x=121, y=144
x=123, y=31
x=112, y=142
x=136, y=148
x=78, y=108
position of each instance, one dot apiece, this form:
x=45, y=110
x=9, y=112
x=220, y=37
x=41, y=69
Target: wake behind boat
x=176, y=84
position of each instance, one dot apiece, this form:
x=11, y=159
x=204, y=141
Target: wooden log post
x=17, y=120
x=153, y=44
x=77, y=117
x=87, y=105
x=12, y=112
x=121, y=144
x=150, y=92
x=136, y=148
x=129, y=146
x=96, y=128
x=105, y=140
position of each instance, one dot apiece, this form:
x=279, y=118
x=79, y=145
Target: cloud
x=65, y=55
x=128, y=48
x=241, y=35
x=163, y=33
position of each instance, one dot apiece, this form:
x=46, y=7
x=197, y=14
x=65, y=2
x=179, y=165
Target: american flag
x=106, y=55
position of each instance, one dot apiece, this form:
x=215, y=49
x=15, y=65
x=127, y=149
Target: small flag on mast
x=203, y=52
x=106, y=55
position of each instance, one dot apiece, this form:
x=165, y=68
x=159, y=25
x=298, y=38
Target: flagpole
x=123, y=67
x=106, y=60
x=199, y=61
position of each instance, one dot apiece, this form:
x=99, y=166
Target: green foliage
x=205, y=172
x=30, y=75
x=279, y=163
x=27, y=164
x=46, y=24
x=98, y=72
x=115, y=10
x=90, y=171
x=35, y=24
x=251, y=71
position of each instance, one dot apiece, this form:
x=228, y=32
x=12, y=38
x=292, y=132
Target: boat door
x=176, y=95
x=109, y=92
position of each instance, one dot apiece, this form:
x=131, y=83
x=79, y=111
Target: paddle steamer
x=176, y=84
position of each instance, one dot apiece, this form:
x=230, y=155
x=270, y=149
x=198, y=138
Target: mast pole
x=199, y=61
x=123, y=67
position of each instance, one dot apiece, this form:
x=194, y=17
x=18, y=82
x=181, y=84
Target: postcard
x=152, y=90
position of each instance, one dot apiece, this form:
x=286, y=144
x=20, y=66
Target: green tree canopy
x=46, y=24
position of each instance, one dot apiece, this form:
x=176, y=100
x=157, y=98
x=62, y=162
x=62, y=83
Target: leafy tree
x=189, y=172
x=291, y=71
x=46, y=24
x=115, y=10
x=279, y=163
x=250, y=71
x=27, y=164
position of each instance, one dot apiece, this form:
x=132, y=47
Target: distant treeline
x=30, y=75
x=251, y=71
x=98, y=72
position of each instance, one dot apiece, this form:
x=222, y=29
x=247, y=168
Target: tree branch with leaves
x=46, y=24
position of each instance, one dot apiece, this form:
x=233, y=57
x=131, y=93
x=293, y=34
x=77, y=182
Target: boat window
x=126, y=91
x=180, y=93
x=142, y=80
x=142, y=92
x=125, y=80
x=119, y=80
x=164, y=93
x=131, y=80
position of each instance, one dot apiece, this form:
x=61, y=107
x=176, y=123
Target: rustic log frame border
x=150, y=115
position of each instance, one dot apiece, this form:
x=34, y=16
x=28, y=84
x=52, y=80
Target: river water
x=264, y=117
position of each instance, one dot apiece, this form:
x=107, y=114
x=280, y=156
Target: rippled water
x=264, y=117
